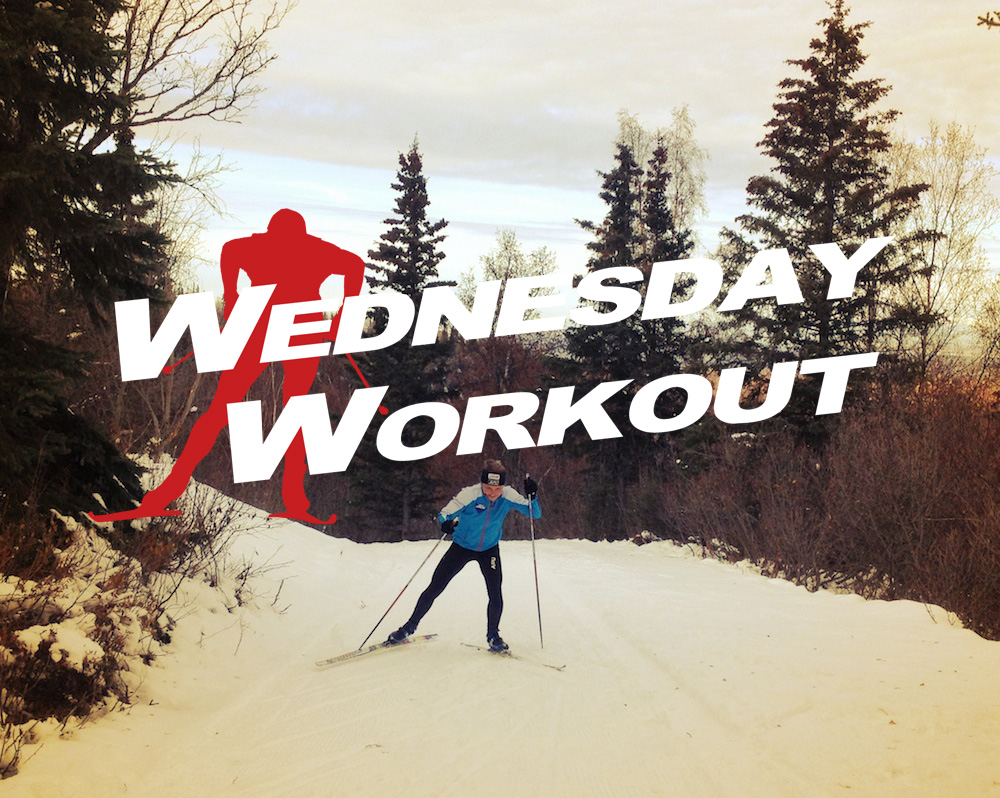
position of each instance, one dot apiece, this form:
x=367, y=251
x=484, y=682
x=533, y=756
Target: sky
x=515, y=106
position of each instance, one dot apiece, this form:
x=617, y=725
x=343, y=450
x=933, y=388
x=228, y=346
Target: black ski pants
x=453, y=561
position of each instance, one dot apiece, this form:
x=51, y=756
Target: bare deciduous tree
x=945, y=291
x=178, y=60
x=185, y=59
x=506, y=261
x=685, y=161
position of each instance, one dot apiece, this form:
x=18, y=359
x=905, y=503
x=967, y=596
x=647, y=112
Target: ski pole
x=171, y=366
x=381, y=408
x=534, y=560
x=401, y=592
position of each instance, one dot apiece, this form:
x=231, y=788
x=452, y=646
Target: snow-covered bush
x=644, y=537
x=85, y=612
x=72, y=638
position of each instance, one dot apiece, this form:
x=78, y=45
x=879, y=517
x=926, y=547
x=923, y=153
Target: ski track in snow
x=684, y=677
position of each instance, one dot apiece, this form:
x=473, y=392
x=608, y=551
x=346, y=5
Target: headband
x=493, y=478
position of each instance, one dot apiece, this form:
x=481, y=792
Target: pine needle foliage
x=73, y=219
x=828, y=184
x=394, y=495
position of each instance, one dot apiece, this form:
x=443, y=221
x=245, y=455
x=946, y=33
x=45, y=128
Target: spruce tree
x=407, y=256
x=828, y=184
x=405, y=259
x=72, y=227
x=667, y=339
x=637, y=231
x=70, y=211
x=607, y=352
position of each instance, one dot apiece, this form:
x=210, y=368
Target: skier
x=474, y=519
x=298, y=265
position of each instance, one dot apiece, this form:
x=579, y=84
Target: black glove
x=530, y=487
x=448, y=527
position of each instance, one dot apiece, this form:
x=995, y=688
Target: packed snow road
x=683, y=677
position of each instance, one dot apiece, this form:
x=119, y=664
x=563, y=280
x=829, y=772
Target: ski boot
x=496, y=643
x=400, y=634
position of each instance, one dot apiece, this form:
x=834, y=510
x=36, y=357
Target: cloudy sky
x=515, y=105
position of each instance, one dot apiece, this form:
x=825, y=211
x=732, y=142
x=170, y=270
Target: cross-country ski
x=506, y=652
x=371, y=649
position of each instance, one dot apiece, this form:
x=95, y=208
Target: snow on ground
x=683, y=677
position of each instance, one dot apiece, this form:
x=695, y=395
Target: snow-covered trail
x=683, y=677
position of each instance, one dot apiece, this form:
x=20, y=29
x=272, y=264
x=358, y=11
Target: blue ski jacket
x=480, y=521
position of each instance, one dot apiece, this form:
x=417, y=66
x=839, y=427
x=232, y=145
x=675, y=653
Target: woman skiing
x=474, y=519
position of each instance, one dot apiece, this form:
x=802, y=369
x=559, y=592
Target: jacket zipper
x=482, y=532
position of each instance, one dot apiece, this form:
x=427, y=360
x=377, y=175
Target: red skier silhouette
x=297, y=264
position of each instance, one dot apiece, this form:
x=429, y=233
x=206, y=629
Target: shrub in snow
x=83, y=617
x=71, y=640
x=898, y=501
